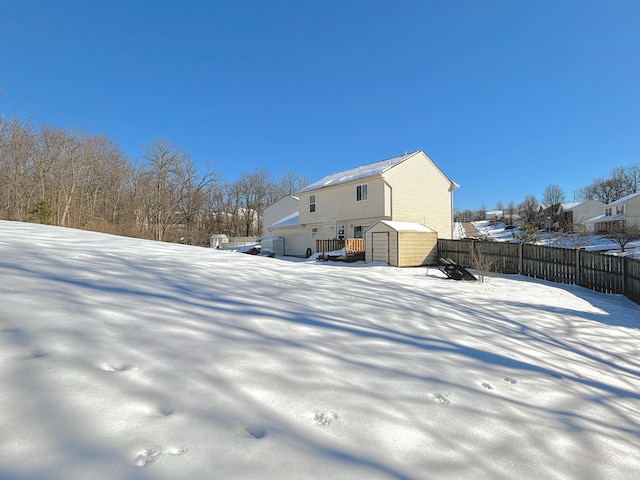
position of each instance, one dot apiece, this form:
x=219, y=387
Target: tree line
x=621, y=182
x=74, y=179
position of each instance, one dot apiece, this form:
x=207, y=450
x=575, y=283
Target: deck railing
x=351, y=245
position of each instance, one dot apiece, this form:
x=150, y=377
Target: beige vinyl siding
x=420, y=193
x=297, y=239
x=417, y=249
x=632, y=211
x=274, y=212
x=336, y=205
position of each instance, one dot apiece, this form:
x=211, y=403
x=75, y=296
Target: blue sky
x=506, y=97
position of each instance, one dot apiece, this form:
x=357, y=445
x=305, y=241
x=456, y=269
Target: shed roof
x=405, y=226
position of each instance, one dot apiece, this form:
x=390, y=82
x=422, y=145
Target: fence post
x=624, y=275
x=578, y=271
x=520, y=258
x=471, y=252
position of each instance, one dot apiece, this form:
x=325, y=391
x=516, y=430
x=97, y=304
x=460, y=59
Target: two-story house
x=571, y=215
x=407, y=188
x=624, y=211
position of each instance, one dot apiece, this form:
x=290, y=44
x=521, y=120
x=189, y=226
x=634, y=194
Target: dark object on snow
x=452, y=270
x=253, y=251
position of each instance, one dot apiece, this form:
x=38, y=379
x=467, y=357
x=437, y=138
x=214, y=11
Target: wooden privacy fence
x=596, y=271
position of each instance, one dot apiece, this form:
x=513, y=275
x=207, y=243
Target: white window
x=607, y=211
x=312, y=203
x=314, y=233
x=357, y=231
x=361, y=193
x=619, y=209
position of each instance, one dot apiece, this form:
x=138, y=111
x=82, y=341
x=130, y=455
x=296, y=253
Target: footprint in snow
x=487, y=386
x=440, y=397
x=510, y=380
x=323, y=419
x=151, y=455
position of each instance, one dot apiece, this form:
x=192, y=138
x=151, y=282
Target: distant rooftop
x=625, y=199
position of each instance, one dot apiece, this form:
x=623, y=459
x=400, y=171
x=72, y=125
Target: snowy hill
x=131, y=359
x=591, y=243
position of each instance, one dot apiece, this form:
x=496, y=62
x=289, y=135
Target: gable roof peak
x=363, y=171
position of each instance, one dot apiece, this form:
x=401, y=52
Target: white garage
x=401, y=244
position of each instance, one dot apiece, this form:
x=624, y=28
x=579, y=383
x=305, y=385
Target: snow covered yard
x=131, y=359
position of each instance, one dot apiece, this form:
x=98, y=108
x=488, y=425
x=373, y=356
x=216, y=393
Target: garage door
x=380, y=246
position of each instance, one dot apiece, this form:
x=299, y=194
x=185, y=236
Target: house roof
x=290, y=220
x=281, y=199
x=405, y=226
x=568, y=206
x=364, y=171
x=604, y=218
x=625, y=199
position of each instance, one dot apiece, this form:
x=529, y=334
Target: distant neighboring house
x=494, y=216
x=570, y=215
x=407, y=188
x=281, y=208
x=625, y=210
x=546, y=216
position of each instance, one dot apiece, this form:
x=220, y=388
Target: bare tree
x=510, y=212
x=255, y=189
x=605, y=190
x=194, y=198
x=18, y=148
x=528, y=209
x=552, y=195
x=289, y=184
x=233, y=209
x=163, y=186
x=622, y=234
x=628, y=178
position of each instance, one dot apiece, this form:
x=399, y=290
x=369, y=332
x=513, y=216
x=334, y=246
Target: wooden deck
x=352, y=246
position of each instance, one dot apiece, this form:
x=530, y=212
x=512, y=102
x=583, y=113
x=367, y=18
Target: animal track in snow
x=151, y=455
x=487, y=386
x=147, y=457
x=324, y=419
x=510, y=380
x=440, y=397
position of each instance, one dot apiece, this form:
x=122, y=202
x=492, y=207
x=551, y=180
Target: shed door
x=380, y=247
